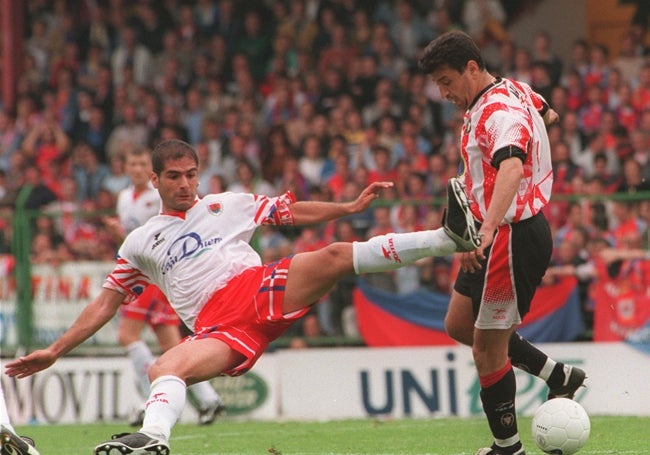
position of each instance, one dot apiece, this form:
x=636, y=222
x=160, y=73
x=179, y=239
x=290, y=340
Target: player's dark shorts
x=246, y=314
x=516, y=262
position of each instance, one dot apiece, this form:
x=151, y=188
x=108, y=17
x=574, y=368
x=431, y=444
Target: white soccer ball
x=560, y=426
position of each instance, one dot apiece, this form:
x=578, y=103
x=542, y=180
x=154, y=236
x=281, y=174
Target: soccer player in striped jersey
x=507, y=175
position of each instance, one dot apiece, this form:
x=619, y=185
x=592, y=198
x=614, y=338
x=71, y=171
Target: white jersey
x=191, y=255
x=506, y=115
x=134, y=209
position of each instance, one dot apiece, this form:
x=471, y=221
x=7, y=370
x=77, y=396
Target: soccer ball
x=560, y=426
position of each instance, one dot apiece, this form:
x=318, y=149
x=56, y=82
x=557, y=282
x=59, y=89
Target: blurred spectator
x=575, y=90
x=255, y=44
x=596, y=146
x=485, y=20
x=407, y=279
x=408, y=30
x=247, y=181
x=39, y=46
x=91, y=125
x=89, y=173
x=130, y=53
x=292, y=179
x=598, y=68
x=44, y=143
x=282, y=104
x=633, y=179
x=171, y=60
x=559, y=100
x=274, y=152
x=193, y=114
x=610, y=182
x=312, y=161
x=437, y=175
x=116, y=179
x=338, y=55
x=97, y=32
x=579, y=59
x=641, y=151
x=542, y=52
x=130, y=131
x=641, y=94
x=151, y=27
x=341, y=175
x=624, y=110
x=628, y=62
x=298, y=127
x=226, y=23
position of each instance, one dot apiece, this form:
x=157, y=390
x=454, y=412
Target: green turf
x=609, y=435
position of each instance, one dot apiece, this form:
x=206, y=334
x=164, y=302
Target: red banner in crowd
x=417, y=319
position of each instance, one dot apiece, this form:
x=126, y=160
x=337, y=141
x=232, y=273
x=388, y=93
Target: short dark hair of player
x=172, y=149
x=453, y=50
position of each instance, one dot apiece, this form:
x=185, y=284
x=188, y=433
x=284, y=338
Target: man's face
x=454, y=86
x=138, y=168
x=177, y=184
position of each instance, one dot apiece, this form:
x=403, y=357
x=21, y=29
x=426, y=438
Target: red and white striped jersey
x=506, y=114
x=192, y=254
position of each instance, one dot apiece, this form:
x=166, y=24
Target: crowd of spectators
x=317, y=97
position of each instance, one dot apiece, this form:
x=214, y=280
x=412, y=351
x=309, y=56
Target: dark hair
x=452, y=49
x=172, y=149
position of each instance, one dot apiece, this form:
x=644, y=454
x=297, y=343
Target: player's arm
x=550, y=117
x=312, y=212
x=97, y=313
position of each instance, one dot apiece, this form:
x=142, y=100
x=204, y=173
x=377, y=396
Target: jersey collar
x=181, y=215
x=496, y=82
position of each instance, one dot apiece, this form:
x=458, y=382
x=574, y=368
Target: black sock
x=499, y=406
x=525, y=356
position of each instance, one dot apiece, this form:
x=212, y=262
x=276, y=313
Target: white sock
x=4, y=414
x=164, y=407
x=204, y=394
x=142, y=359
x=392, y=251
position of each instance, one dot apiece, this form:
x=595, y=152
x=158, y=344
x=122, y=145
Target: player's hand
x=30, y=364
x=369, y=194
x=551, y=117
x=471, y=261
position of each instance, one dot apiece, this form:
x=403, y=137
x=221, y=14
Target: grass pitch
x=609, y=435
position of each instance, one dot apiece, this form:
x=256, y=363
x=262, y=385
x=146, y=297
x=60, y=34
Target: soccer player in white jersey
x=506, y=171
x=135, y=205
x=197, y=251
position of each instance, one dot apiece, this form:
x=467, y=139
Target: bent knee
x=460, y=331
x=159, y=369
x=338, y=255
x=125, y=338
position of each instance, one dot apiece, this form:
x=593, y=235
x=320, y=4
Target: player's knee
x=459, y=332
x=125, y=338
x=339, y=255
x=157, y=370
